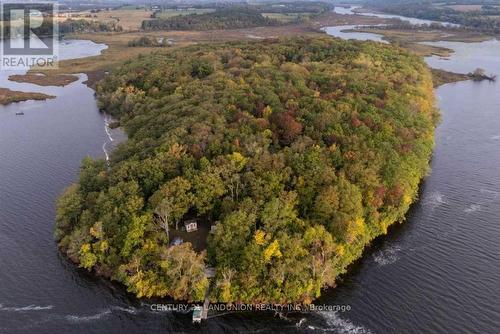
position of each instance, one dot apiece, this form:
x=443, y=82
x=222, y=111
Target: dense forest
x=83, y=26
x=486, y=19
x=150, y=41
x=300, y=150
x=228, y=18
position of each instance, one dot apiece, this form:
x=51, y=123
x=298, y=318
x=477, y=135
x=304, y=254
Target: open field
x=285, y=17
x=128, y=19
x=465, y=8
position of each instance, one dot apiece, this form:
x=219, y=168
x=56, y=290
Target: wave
x=489, y=196
x=341, y=326
x=110, y=137
x=105, y=151
x=301, y=321
x=107, y=129
x=387, y=256
x=78, y=318
x=497, y=137
x=103, y=313
x=472, y=208
x=130, y=310
x=25, y=308
x=494, y=194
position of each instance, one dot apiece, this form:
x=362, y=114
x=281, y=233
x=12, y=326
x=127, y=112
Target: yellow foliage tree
x=273, y=250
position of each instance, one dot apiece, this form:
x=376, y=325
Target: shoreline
x=442, y=77
x=354, y=249
x=95, y=75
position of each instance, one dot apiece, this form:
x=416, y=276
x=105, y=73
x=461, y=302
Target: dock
x=204, y=311
x=201, y=312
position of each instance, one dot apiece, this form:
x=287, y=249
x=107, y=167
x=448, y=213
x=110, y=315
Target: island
x=42, y=79
x=261, y=169
x=8, y=96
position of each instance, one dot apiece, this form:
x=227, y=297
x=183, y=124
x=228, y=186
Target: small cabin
x=191, y=225
x=213, y=228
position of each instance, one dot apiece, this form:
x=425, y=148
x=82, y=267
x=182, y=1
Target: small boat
x=197, y=314
x=19, y=113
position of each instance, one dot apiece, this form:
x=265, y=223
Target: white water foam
x=107, y=129
x=497, y=137
x=105, y=151
x=108, y=133
x=130, y=310
x=103, y=313
x=387, y=256
x=434, y=199
x=342, y=326
x=301, y=321
x=25, y=308
x=472, y=208
x=78, y=318
x=489, y=197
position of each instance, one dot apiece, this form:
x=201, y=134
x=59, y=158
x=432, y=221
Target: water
x=351, y=11
x=342, y=32
x=39, y=156
x=437, y=272
x=466, y=58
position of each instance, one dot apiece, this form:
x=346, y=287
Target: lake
x=437, y=272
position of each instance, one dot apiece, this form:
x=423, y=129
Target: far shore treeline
x=484, y=19
x=303, y=150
